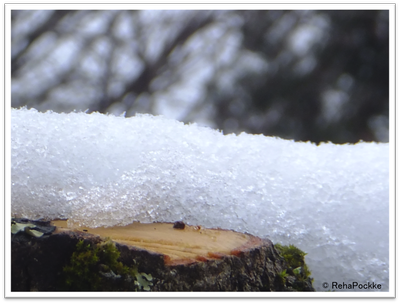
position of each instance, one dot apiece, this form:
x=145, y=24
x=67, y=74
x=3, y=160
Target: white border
x=252, y=5
x=196, y=6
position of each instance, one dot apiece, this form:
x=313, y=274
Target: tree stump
x=146, y=257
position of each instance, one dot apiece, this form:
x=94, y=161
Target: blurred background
x=304, y=75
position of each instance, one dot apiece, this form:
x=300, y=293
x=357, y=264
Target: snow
x=332, y=201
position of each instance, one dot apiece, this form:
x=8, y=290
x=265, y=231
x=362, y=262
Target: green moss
x=282, y=276
x=96, y=267
x=81, y=273
x=297, y=267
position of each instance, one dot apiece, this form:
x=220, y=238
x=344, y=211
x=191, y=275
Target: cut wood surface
x=145, y=257
x=183, y=245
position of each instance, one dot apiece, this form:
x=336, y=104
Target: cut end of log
x=148, y=257
x=180, y=244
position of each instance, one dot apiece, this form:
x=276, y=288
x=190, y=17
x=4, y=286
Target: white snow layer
x=332, y=201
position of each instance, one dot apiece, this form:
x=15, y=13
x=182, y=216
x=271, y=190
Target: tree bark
x=176, y=257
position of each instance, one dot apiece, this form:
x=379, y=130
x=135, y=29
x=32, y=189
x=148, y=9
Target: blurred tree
x=101, y=58
x=306, y=75
x=331, y=84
